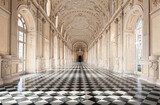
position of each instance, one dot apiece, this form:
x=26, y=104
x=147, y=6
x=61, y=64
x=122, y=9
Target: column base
x=158, y=82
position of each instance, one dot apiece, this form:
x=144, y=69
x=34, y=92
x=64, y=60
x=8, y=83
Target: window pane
x=139, y=33
x=21, y=43
x=24, y=26
x=19, y=15
x=20, y=36
x=24, y=37
x=20, y=24
x=20, y=50
x=20, y=67
x=22, y=20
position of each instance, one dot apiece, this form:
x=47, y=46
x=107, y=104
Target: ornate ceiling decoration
x=80, y=45
x=80, y=20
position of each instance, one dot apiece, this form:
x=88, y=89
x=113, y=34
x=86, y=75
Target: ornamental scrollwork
x=153, y=65
x=155, y=2
x=6, y=64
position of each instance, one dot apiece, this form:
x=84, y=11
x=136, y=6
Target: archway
x=79, y=54
x=133, y=40
x=30, y=51
x=79, y=58
x=80, y=51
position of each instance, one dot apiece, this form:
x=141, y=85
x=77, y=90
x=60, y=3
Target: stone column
x=120, y=42
x=96, y=56
x=108, y=46
x=100, y=52
x=159, y=71
x=56, y=51
x=116, y=62
x=58, y=54
x=13, y=46
x=1, y=81
x=145, y=44
x=62, y=53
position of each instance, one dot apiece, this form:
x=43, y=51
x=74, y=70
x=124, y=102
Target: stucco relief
x=5, y=4
x=6, y=66
x=153, y=66
x=155, y=2
x=40, y=63
x=159, y=66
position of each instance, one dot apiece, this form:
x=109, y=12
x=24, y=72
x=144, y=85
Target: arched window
x=21, y=42
x=139, y=34
x=48, y=7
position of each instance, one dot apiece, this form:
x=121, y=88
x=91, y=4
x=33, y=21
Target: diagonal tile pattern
x=80, y=84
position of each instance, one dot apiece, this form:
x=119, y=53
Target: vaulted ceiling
x=80, y=20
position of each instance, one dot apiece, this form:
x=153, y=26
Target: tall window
x=21, y=43
x=48, y=7
x=139, y=34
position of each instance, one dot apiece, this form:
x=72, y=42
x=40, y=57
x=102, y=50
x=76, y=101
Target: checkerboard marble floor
x=80, y=84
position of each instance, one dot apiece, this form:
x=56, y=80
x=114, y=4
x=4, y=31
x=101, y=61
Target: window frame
x=138, y=43
x=23, y=30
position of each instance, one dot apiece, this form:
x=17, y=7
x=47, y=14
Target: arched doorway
x=80, y=51
x=26, y=36
x=133, y=31
x=80, y=58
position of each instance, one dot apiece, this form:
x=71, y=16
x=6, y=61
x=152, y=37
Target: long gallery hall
x=79, y=52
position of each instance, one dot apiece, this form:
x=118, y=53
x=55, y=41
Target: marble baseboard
x=10, y=78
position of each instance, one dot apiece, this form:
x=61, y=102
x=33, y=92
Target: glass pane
x=20, y=24
x=24, y=65
x=20, y=67
x=20, y=36
x=24, y=26
x=24, y=37
x=21, y=43
x=139, y=33
x=22, y=20
x=19, y=15
x=20, y=50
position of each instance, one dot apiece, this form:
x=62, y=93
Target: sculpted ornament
x=2, y=2
x=6, y=64
x=155, y=2
x=153, y=64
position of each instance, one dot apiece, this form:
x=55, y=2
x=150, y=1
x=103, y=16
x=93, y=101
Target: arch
x=28, y=16
x=130, y=38
x=133, y=15
x=80, y=42
x=30, y=38
x=80, y=51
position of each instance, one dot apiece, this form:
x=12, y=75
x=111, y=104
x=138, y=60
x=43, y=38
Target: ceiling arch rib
x=81, y=20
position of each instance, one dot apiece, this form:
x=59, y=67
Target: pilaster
x=1, y=81
x=153, y=69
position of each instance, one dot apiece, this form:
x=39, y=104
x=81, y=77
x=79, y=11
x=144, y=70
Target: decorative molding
x=153, y=67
